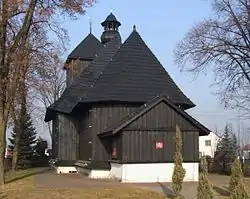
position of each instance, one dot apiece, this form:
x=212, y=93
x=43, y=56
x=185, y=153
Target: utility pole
x=238, y=121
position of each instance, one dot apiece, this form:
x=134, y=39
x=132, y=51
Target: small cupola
x=111, y=28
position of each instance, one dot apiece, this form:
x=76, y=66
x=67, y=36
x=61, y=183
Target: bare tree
x=17, y=18
x=221, y=44
x=48, y=85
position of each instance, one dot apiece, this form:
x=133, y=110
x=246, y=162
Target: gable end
x=159, y=114
x=161, y=117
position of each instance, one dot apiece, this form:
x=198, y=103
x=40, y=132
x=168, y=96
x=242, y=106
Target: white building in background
x=246, y=151
x=208, y=144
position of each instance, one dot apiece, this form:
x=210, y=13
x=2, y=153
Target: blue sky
x=162, y=24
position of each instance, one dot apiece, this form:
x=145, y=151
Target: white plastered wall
x=152, y=172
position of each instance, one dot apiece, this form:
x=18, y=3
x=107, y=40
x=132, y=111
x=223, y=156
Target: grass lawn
x=22, y=185
x=222, y=191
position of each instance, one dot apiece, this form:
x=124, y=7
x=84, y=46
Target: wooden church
x=117, y=117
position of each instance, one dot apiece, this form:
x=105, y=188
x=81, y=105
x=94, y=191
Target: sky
x=161, y=24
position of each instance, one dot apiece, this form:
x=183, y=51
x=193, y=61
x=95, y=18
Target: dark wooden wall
x=68, y=138
x=103, y=116
x=139, y=138
x=55, y=137
x=139, y=146
x=85, y=143
x=161, y=117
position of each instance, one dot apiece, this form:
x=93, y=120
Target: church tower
x=111, y=28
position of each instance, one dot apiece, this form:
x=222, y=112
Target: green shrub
x=236, y=185
x=204, y=189
x=209, y=160
x=240, y=191
x=179, y=171
x=236, y=175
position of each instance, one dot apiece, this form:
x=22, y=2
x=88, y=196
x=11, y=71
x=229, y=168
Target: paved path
x=52, y=180
x=189, y=189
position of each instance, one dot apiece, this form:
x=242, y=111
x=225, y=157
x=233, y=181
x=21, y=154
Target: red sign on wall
x=159, y=145
x=114, y=152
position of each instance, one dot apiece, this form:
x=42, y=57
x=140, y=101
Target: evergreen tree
x=179, y=171
x=27, y=140
x=227, y=149
x=234, y=147
x=205, y=190
x=236, y=185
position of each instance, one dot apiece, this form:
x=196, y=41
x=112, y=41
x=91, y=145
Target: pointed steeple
x=111, y=28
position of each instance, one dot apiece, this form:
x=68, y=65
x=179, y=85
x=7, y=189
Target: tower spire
x=90, y=25
x=111, y=28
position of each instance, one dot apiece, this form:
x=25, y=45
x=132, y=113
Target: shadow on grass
x=221, y=191
x=169, y=192
x=19, y=175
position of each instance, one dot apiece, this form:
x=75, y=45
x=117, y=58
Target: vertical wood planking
x=55, y=137
x=145, y=149
x=85, y=130
x=68, y=138
x=105, y=116
x=161, y=116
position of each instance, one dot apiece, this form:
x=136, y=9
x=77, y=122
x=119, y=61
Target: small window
x=207, y=142
x=110, y=26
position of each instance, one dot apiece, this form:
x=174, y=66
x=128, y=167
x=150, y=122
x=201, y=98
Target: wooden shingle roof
x=87, y=49
x=130, y=73
x=80, y=86
x=135, y=75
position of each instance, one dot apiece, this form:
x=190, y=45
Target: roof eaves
x=188, y=117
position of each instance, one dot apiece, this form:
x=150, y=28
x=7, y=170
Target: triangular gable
x=151, y=105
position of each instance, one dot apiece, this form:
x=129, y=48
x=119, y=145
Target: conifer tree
x=27, y=139
x=234, y=147
x=205, y=190
x=227, y=149
x=236, y=184
x=179, y=171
